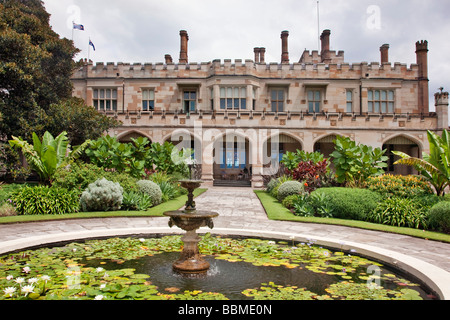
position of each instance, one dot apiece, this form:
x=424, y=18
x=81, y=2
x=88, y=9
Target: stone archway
x=127, y=136
x=325, y=145
x=232, y=159
x=275, y=147
x=403, y=144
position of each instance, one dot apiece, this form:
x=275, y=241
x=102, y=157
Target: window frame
x=349, y=103
x=192, y=101
x=375, y=104
x=150, y=103
x=233, y=98
x=317, y=103
x=278, y=101
x=101, y=101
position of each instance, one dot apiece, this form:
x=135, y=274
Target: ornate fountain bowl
x=191, y=261
x=190, y=220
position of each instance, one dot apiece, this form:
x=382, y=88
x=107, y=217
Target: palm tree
x=434, y=167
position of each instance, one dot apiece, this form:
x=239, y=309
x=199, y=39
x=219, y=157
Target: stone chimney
x=422, y=61
x=184, y=47
x=168, y=59
x=441, y=99
x=325, y=53
x=262, y=55
x=384, y=53
x=257, y=54
x=284, y=47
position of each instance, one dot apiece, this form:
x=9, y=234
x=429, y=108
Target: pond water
x=241, y=269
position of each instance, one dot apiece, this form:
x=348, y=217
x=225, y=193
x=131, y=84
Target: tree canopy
x=35, y=70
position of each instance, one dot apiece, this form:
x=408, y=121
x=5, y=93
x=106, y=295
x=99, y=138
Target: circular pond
x=141, y=268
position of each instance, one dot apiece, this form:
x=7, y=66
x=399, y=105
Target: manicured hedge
x=348, y=203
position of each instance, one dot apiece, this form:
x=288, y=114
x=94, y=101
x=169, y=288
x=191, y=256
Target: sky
x=144, y=31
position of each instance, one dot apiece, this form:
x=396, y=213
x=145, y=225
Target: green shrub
x=349, y=203
x=136, y=201
x=102, y=195
x=271, y=185
x=289, y=188
x=400, y=212
x=152, y=189
x=279, y=182
x=42, y=200
x=399, y=186
x=439, y=217
x=316, y=204
x=289, y=201
x=79, y=175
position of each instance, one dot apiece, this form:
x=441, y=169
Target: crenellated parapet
x=248, y=68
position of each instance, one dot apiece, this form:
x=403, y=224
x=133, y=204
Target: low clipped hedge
x=439, y=217
x=43, y=200
x=348, y=203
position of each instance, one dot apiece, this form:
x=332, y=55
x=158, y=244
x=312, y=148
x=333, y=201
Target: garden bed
x=276, y=211
x=157, y=211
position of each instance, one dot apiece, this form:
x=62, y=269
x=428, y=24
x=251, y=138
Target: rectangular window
x=190, y=101
x=277, y=100
x=314, y=100
x=349, y=108
x=105, y=99
x=148, y=100
x=381, y=101
x=233, y=98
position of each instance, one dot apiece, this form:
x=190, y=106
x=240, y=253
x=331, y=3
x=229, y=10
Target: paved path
x=241, y=209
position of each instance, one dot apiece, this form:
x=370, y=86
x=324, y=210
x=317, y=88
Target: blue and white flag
x=91, y=44
x=78, y=26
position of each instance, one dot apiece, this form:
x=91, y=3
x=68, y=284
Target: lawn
x=276, y=211
x=152, y=212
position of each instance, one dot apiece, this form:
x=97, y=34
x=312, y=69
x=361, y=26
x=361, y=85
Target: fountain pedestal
x=190, y=220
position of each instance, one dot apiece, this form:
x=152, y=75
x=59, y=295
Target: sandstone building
x=243, y=115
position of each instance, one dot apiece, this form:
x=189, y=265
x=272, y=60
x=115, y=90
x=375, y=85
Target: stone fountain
x=190, y=220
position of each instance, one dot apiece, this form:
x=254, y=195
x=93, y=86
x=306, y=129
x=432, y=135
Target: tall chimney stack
x=184, y=46
x=284, y=47
x=384, y=49
x=422, y=61
x=325, y=53
x=262, y=55
x=257, y=54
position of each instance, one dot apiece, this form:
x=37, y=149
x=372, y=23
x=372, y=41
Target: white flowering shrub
x=102, y=195
x=152, y=189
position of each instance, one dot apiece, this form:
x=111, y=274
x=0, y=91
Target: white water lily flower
x=99, y=297
x=27, y=290
x=99, y=269
x=33, y=280
x=9, y=278
x=46, y=278
x=9, y=291
x=19, y=280
x=26, y=269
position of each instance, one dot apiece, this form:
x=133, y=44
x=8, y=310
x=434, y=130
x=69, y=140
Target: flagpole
x=318, y=25
x=73, y=22
x=89, y=50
